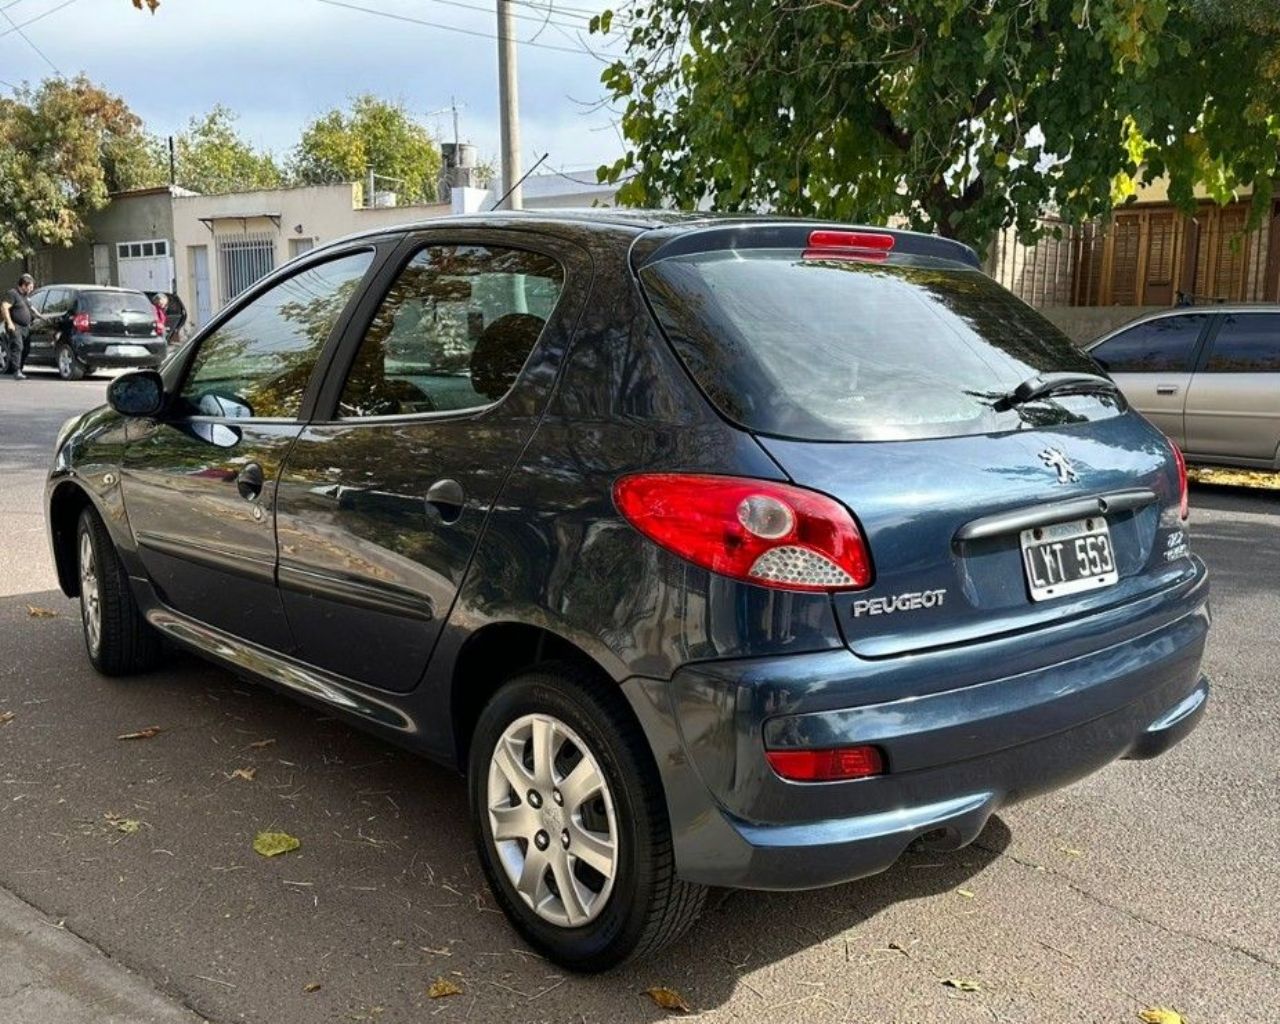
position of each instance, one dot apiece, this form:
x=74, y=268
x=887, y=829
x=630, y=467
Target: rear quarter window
x=831, y=349
x=1164, y=345
x=1246, y=343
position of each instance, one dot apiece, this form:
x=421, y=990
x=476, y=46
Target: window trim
x=571, y=258
x=179, y=370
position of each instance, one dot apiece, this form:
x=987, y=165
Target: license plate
x=1066, y=558
x=137, y=351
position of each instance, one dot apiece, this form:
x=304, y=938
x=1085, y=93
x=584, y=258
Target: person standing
x=161, y=305
x=18, y=315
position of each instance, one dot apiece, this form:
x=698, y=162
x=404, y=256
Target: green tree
x=211, y=157
x=963, y=116
x=374, y=134
x=63, y=147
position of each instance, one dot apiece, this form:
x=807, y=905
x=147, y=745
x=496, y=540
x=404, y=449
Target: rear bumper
x=121, y=351
x=954, y=756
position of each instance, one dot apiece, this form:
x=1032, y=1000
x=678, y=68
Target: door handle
x=249, y=481
x=1166, y=389
x=447, y=497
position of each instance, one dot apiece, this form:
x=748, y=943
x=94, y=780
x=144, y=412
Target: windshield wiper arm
x=1046, y=384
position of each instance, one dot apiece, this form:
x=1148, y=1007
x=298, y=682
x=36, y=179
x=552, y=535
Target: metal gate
x=242, y=261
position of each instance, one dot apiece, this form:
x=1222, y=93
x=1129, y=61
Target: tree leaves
x=443, y=987
x=273, y=844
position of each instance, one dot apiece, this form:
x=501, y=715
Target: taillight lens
x=1184, y=499
x=826, y=765
x=768, y=533
x=80, y=323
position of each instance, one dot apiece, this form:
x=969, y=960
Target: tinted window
x=1246, y=343
x=855, y=350
x=1166, y=344
x=109, y=303
x=58, y=301
x=258, y=362
x=453, y=332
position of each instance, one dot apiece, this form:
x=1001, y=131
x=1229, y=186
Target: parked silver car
x=1209, y=377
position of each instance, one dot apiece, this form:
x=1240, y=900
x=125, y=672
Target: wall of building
x=1084, y=323
x=281, y=222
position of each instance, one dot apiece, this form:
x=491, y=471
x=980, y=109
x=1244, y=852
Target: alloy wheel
x=66, y=363
x=552, y=820
x=90, y=601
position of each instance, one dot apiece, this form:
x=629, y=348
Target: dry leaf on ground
x=963, y=984
x=272, y=844
x=1234, y=477
x=261, y=744
x=1159, y=1015
x=150, y=732
x=36, y=612
x=442, y=987
x=126, y=825
x=247, y=774
x=668, y=999
x=6, y=717
x=313, y=986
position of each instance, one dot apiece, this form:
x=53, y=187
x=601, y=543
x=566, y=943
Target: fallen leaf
x=313, y=986
x=150, y=732
x=442, y=987
x=261, y=744
x=126, y=825
x=963, y=984
x=1159, y=1015
x=6, y=717
x=966, y=893
x=272, y=844
x=668, y=999
x=247, y=774
x=36, y=612
x=1234, y=477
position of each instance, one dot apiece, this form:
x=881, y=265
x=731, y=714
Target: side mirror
x=140, y=393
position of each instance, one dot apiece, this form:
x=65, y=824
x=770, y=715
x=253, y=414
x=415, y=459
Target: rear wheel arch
x=497, y=652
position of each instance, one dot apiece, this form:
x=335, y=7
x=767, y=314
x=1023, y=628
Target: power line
x=436, y=24
x=39, y=52
x=38, y=17
x=485, y=10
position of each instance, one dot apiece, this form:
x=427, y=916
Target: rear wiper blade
x=1046, y=384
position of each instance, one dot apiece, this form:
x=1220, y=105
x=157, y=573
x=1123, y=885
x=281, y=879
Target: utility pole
x=509, y=106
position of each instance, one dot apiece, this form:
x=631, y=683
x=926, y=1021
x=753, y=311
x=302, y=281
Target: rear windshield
x=850, y=350
x=108, y=303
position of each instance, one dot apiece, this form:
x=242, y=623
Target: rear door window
x=838, y=349
x=58, y=301
x=1164, y=345
x=1246, y=343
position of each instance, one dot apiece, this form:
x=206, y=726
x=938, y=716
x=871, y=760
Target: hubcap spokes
x=552, y=818
x=90, y=605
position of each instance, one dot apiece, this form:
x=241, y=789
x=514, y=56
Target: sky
x=280, y=63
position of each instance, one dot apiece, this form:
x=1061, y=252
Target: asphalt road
x=1149, y=884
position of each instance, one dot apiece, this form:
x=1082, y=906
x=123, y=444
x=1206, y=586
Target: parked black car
x=715, y=552
x=89, y=327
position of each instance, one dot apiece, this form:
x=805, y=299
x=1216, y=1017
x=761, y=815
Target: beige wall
x=1083, y=324
x=319, y=214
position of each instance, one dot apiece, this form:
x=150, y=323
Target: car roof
x=662, y=225
x=90, y=288
x=1206, y=310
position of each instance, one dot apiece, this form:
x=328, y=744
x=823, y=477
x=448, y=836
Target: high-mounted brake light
x=80, y=323
x=826, y=765
x=826, y=244
x=763, y=532
x=1184, y=499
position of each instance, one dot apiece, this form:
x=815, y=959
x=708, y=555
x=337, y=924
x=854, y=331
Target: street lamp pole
x=509, y=106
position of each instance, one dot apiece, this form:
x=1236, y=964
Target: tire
x=118, y=639
x=642, y=906
x=4, y=352
x=69, y=365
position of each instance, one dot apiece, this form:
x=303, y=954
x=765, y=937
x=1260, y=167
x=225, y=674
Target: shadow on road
x=385, y=893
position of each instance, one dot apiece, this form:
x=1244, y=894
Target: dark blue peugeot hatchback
x=715, y=552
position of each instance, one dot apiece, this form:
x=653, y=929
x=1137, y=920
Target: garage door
x=147, y=266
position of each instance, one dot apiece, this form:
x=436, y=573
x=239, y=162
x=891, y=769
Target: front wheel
x=571, y=822
x=69, y=366
x=119, y=640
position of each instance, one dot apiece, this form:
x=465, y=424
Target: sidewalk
x=49, y=976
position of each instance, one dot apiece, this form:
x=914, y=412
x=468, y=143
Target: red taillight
x=826, y=765
x=80, y=323
x=826, y=244
x=1184, y=500
x=768, y=533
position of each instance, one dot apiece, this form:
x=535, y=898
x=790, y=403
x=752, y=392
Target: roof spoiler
x=795, y=235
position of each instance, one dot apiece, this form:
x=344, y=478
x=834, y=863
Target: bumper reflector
x=826, y=765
